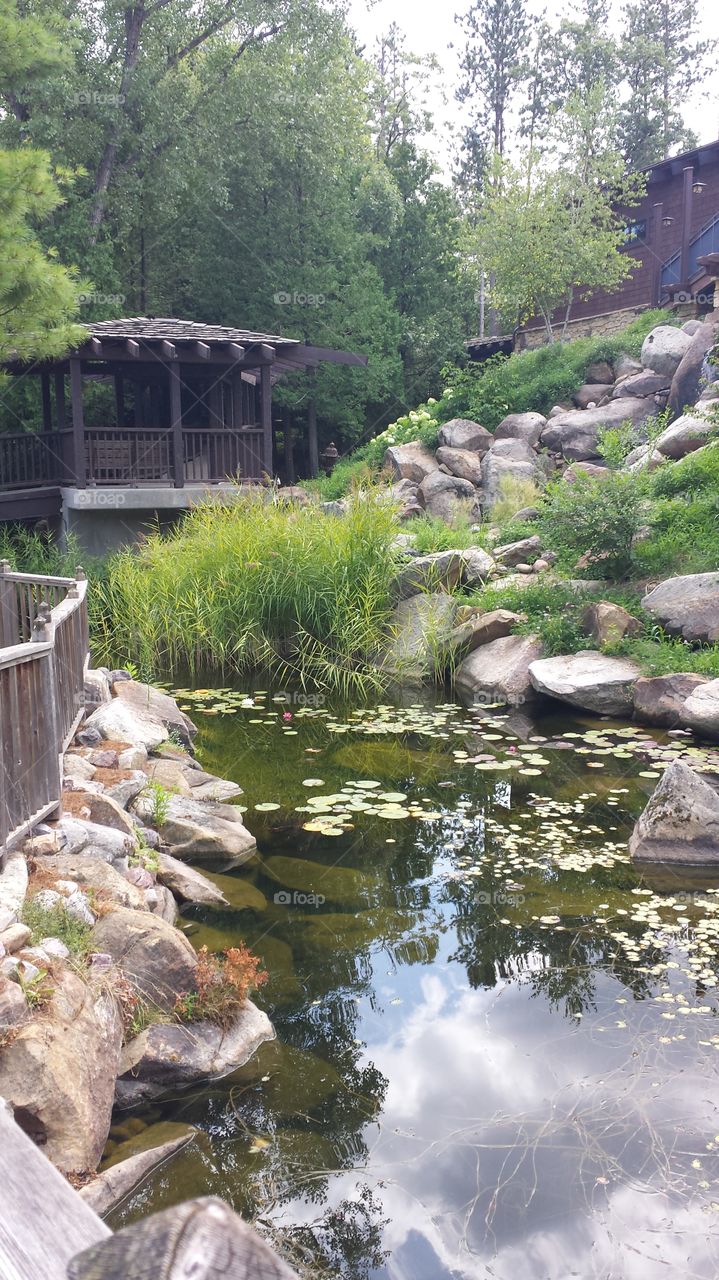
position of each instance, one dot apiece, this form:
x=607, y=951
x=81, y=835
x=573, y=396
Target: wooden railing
x=43, y=656
x=29, y=459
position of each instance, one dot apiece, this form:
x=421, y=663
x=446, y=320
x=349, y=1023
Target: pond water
x=497, y=1047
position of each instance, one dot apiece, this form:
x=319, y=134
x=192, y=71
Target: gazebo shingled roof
x=159, y=328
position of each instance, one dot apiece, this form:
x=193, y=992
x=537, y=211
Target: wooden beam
x=236, y=351
x=202, y=350
x=79, y=465
x=312, y=444
x=237, y=402
x=178, y=450
x=132, y=348
x=94, y=346
x=266, y=418
x=288, y=446
x=59, y=380
x=119, y=400
x=168, y=349
x=46, y=402
x=327, y=353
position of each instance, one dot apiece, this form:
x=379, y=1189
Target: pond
x=497, y=1046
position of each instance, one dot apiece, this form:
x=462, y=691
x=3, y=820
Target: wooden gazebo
x=192, y=405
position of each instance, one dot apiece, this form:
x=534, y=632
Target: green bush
x=538, y=379
x=257, y=585
x=432, y=534
x=660, y=655
x=56, y=922
x=598, y=515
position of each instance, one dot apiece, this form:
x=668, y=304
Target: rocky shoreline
x=90, y=1023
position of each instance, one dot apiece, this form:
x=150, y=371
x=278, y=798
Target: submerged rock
x=188, y=884
x=680, y=825
x=687, y=606
x=178, y=1055
x=315, y=880
x=588, y=679
x=119, y=1178
x=498, y=672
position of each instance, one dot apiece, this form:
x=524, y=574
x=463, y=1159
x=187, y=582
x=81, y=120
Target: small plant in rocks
x=223, y=983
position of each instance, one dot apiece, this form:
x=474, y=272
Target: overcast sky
x=430, y=28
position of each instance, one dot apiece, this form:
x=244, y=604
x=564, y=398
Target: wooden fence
x=43, y=657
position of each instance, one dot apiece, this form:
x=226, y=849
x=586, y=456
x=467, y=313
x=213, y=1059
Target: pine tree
x=493, y=64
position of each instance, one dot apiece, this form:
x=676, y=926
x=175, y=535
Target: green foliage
x=660, y=655
x=56, y=922
x=432, y=534
x=261, y=584
x=535, y=380
x=600, y=516
x=159, y=797
x=222, y=985
x=553, y=609
x=683, y=516
x=515, y=493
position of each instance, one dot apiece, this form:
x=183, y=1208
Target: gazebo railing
x=43, y=658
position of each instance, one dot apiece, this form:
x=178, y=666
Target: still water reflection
x=497, y=1047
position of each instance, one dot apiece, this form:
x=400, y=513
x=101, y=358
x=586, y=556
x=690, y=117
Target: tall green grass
x=256, y=585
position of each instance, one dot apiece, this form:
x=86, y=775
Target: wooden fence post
x=9, y=630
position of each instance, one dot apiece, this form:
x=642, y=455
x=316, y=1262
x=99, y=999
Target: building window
x=635, y=231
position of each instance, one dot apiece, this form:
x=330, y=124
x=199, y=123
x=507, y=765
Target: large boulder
x=608, y=623
x=482, y=628
x=119, y=721
x=575, y=434
x=497, y=469
x=498, y=672
x=701, y=710
x=625, y=367
x=645, y=383
x=59, y=1070
x=589, y=680
x=664, y=348
x=591, y=394
x=99, y=809
x=461, y=462
x=411, y=461
x=661, y=700
x=600, y=372
x=460, y=433
x=421, y=627
x=680, y=825
x=438, y=571
x=521, y=426
x=155, y=1147
x=683, y=436
x=447, y=497
x=13, y=887
x=687, y=380
x=687, y=606
x=172, y=1056
x=155, y=957
x=200, y=830
x=146, y=700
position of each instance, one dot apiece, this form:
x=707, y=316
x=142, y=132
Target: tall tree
x=663, y=57
x=492, y=63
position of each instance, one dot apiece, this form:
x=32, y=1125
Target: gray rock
x=447, y=497
x=173, y=1056
x=60, y=1069
x=156, y=705
x=460, y=433
x=595, y=471
x=660, y=700
x=161, y=902
x=482, y=628
x=625, y=366
x=97, y=687
x=521, y=426
x=591, y=394
x=132, y=757
x=439, y=571
x=513, y=554
x=600, y=372
x=101, y=810
x=411, y=461
x=680, y=825
x=589, y=680
x=202, y=831
x=119, y=721
x=461, y=462
x=76, y=767
x=98, y=876
x=13, y=887
x=701, y=710
x=645, y=383
x=683, y=436
x=663, y=349
x=77, y=905
x=188, y=884
x=14, y=938
x=421, y=628
x=498, y=672
x=687, y=606
x=497, y=468
x=575, y=434
x=644, y=458
x=48, y=899
x=477, y=567
x=687, y=380
x=14, y=1011
x=156, y=958
x=608, y=623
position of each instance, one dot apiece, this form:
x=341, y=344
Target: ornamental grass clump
x=223, y=983
x=258, y=585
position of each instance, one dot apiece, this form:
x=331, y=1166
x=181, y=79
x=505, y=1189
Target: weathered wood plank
x=44, y=1223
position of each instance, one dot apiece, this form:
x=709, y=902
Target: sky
x=430, y=28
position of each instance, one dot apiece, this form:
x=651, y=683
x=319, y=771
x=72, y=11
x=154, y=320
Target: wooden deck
x=43, y=656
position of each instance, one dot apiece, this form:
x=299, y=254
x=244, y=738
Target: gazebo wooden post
x=288, y=446
x=63, y=446
x=313, y=448
x=178, y=453
x=79, y=465
x=266, y=417
x=119, y=400
x=46, y=402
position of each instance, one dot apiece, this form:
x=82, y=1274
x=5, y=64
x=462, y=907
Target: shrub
x=553, y=609
x=515, y=493
x=599, y=516
x=432, y=534
x=660, y=655
x=223, y=984
x=56, y=922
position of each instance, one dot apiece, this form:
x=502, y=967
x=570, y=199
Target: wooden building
x=188, y=410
